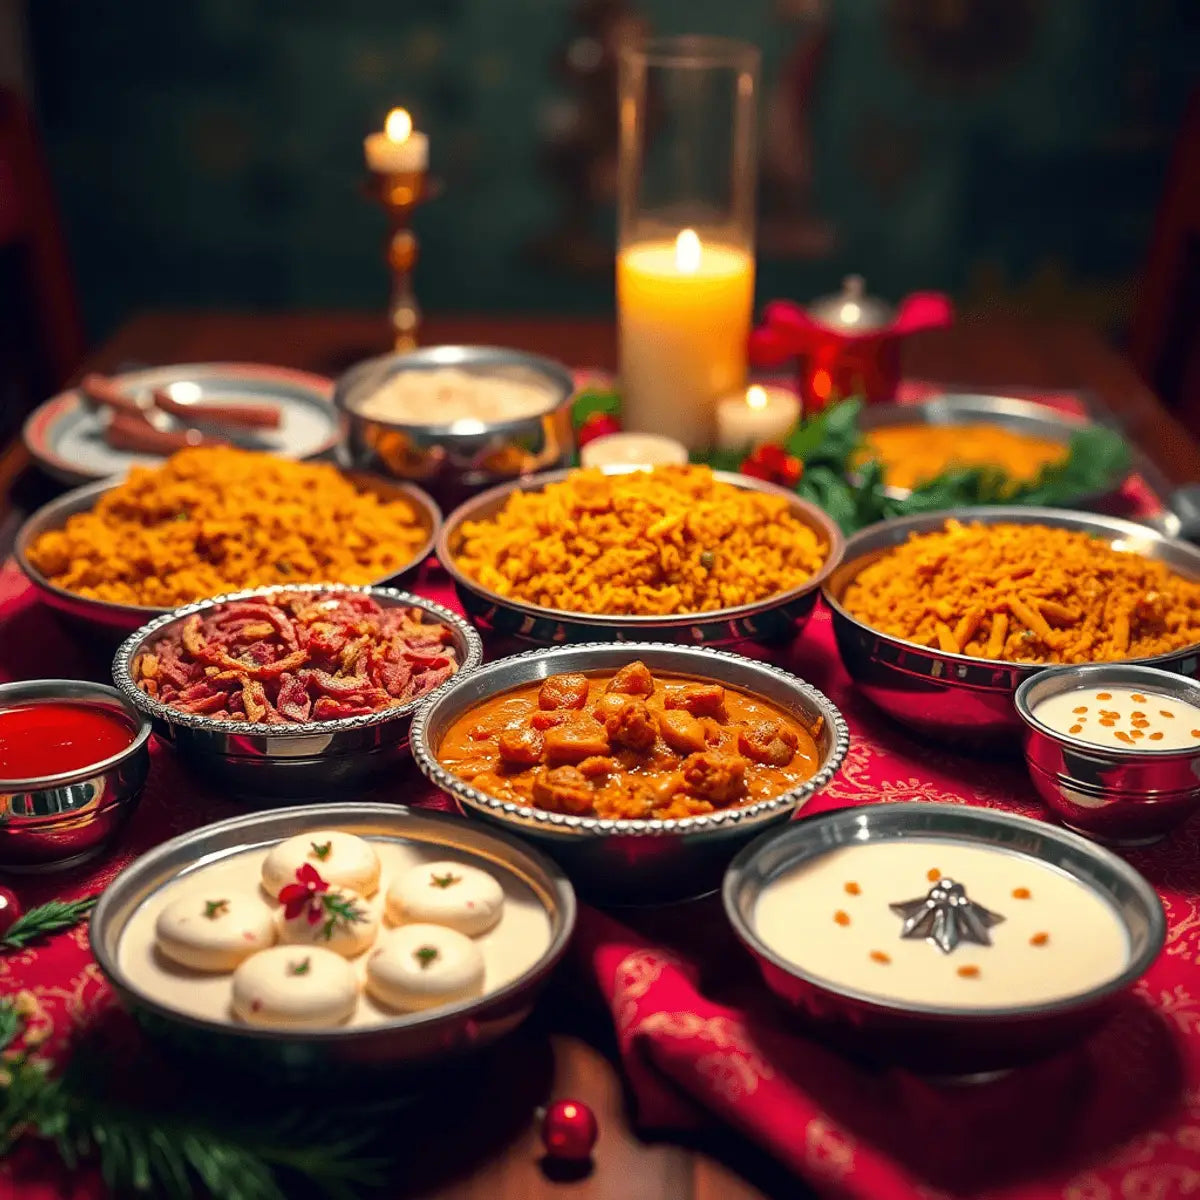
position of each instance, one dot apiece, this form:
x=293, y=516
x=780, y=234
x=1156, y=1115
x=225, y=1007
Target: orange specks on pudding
x=879, y=957
x=842, y=918
x=1039, y=939
x=968, y=972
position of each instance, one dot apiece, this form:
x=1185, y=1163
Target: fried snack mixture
x=295, y=657
x=1026, y=593
x=914, y=454
x=672, y=540
x=629, y=744
x=217, y=519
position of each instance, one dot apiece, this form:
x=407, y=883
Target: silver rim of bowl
x=123, y=664
x=551, y=822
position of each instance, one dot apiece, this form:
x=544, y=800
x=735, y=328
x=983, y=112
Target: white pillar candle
x=683, y=309
x=633, y=450
x=756, y=415
x=399, y=149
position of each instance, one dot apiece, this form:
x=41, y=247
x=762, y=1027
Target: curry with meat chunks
x=630, y=744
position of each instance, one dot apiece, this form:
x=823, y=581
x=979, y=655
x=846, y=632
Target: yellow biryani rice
x=672, y=540
x=217, y=519
x=1026, y=593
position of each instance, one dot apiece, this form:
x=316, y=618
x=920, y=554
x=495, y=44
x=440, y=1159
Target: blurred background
x=209, y=152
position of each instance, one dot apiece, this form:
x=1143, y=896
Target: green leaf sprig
x=52, y=917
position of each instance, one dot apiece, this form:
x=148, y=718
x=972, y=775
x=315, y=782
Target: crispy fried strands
x=293, y=657
x=1026, y=593
x=216, y=519
x=672, y=540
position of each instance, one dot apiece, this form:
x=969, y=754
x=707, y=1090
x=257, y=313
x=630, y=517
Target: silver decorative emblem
x=946, y=917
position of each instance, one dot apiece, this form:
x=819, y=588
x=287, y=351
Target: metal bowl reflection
x=287, y=762
x=773, y=618
x=954, y=697
x=406, y=1043
x=935, y=1039
x=634, y=861
x=456, y=460
x=62, y=820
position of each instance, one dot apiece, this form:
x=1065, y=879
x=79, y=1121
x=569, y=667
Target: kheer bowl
x=936, y=1038
x=633, y=861
x=59, y=821
x=453, y=461
x=1123, y=796
x=406, y=1042
x=954, y=697
x=773, y=618
x=108, y=621
x=287, y=762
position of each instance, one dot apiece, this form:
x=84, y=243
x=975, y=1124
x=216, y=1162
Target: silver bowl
x=933, y=1039
x=1009, y=412
x=106, y=620
x=1125, y=797
x=453, y=461
x=633, y=861
x=771, y=619
x=410, y=1042
x=287, y=762
x=62, y=820
x=954, y=697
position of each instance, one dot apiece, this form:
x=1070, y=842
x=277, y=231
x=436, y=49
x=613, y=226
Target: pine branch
x=52, y=917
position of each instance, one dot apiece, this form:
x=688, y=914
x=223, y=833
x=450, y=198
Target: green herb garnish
x=321, y=849
x=299, y=968
x=215, y=908
x=426, y=956
x=444, y=881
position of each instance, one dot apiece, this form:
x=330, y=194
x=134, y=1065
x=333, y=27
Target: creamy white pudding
x=833, y=918
x=446, y=893
x=343, y=859
x=1122, y=716
x=510, y=948
x=422, y=966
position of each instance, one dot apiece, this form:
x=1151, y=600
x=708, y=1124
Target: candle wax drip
x=946, y=917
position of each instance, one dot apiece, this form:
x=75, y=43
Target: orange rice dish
x=652, y=543
x=1025, y=593
x=217, y=519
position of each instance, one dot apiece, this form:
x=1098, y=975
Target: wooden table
x=490, y=1151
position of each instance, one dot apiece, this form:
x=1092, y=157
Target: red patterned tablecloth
x=1118, y=1119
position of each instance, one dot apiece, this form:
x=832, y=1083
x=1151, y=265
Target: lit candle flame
x=398, y=125
x=687, y=252
x=756, y=397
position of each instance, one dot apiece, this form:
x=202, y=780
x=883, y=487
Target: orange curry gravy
x=629, y=744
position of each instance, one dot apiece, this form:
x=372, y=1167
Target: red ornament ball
x=10, y=910
x=596, y=425
x=569, y=1130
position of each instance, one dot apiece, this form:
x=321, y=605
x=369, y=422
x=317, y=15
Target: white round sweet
x=446, y=893
x=339, y=858
x=214, y=933
x=423, y=966
x=338, y=919
x=299, y=987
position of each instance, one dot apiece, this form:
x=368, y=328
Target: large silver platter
x=770, y=619
x=109, y=621
x=1021, y=416
x=634, y=861
x=954, y=697
x=410, y=1041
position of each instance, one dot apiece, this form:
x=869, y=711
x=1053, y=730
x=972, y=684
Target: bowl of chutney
x=73, y=761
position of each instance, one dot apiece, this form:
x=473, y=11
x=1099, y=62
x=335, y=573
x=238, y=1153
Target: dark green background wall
x=208, y=152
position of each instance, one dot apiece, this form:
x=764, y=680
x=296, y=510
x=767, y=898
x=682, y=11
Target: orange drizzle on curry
x=629, y=744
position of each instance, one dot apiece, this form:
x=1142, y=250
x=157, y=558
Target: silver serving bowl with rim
x=634, y=861
x=1125, y=796
x=939, y=1039
x=61, y=820
x=308, y=761
x=1009, y=412
x=408, y=1042
x=954, y=697
x=107, y=620
x=773, y=618
x=454, y=460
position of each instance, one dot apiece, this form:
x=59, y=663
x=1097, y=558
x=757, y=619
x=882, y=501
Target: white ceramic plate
x=66, y=434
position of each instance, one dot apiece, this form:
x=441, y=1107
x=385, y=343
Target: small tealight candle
x=757, y=415
x=399, y=149
x=633, y=450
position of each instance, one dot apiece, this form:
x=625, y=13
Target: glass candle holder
x=685, y=253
